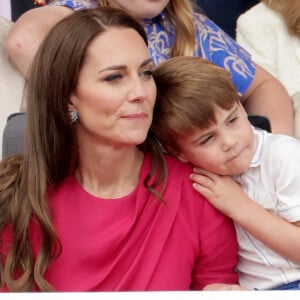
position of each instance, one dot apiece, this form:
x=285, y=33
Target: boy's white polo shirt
x=273, y=181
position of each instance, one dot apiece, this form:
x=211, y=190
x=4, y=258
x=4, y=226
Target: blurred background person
x=270, y=31
x=225, y=12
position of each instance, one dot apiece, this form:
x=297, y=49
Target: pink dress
x=136, y=243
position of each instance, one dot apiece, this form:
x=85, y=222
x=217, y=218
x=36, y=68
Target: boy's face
x=225, y=148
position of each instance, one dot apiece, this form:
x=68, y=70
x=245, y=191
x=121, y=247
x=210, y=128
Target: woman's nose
x=138, y=90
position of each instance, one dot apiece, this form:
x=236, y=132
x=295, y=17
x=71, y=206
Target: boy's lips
x=235, y=156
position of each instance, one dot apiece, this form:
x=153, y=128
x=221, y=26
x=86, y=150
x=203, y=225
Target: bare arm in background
x=28, y=32
x=268, y=97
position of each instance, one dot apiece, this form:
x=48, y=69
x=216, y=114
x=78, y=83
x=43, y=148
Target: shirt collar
x=260, y=136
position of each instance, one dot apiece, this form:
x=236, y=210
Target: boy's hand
x=221, y=191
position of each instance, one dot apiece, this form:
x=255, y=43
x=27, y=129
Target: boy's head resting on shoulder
x=188, y=90
x=198, y=115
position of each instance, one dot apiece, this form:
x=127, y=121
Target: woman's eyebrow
x=113, y=68
x=146, y=62
x=122, y=67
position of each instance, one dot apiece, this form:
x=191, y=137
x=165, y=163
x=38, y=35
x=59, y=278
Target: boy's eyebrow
x=233, y=112
x=122, y=67
x=196, y=140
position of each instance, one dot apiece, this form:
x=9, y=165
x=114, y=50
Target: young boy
x=250, y=175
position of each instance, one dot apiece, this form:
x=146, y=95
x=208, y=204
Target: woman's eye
x=113, y=77
x=147, y=73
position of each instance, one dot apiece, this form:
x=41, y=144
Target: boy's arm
x=29, y=31
x=227, y=196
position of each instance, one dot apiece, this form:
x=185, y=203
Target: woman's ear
x=73, y=114
x=71, y=103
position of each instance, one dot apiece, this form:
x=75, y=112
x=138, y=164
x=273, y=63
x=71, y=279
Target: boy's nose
x=228, y=141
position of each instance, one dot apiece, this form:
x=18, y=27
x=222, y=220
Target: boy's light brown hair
x=188, y=90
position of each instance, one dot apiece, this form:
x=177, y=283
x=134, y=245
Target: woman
x=94, y=205
x=173, y=29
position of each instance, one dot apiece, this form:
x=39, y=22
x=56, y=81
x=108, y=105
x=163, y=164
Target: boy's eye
x=232, y=120
x=205, y=140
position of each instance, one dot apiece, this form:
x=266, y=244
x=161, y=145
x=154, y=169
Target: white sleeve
x=285, y=172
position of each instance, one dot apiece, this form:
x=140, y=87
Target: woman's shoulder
x=174, y=164
x=177, y=171
x=178, y=179
x=179, y=186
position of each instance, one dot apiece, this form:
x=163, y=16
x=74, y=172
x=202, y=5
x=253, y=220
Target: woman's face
x=115, y=93
x=141, y=9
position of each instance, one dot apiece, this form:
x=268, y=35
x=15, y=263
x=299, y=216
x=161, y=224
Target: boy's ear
x=181, y=157
x=170, y=150
x=176, y=153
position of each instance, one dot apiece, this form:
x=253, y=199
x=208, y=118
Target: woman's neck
x=110, y=175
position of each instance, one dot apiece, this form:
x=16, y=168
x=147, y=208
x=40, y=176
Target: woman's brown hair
x=51, y=152
x=289, y=10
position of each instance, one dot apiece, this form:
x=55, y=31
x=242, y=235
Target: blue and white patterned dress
x=212, y=43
